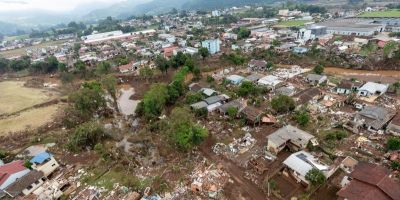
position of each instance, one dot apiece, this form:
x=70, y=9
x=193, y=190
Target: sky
x=49, y=5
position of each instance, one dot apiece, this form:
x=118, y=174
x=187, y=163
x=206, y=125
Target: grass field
x=15, y=97
x=19, y=37
x=387, y=13
x=30, y=119
x=292, y=23
x=22, y=51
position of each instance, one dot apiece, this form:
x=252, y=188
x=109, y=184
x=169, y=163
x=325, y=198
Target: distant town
x=294, y=102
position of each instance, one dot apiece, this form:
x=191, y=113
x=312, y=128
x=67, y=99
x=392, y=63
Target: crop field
x=30, y=119
x=15, y=97
x=387, y=13
x=22, y=51
x=292, y=23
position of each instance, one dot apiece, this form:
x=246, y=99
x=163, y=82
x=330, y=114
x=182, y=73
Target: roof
x=375, y=116
x=258, y=63
x=346, y=84
x=235, y=78
x=20, y=184
x=302, y=162
x=208, y=91
x=396, y=120
x=254, y=77
x=315, y=77
x=290, y=133
x=214, y=99
x=372, y=87
x=307, y=95
x=195, y=87
x=199, y=105
x=235, y=104
x=288, y=91
x=41, y=158
x=11, y=168
x=253, y=114
x=371, y=181
x=269, y=80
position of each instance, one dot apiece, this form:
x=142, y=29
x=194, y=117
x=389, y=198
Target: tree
x=162, y=64
x=204, y=53
x=86, y=135
x=89, y=99
x=393, y=143
x=193, y=97
x=276, y=42
x=103, y=68
x=154, y=101
x=302, y=117
x=315, y=177
x=283, y=104
x=319, y=69
x=109, y=83
x=80, y=68
x=185, y=134
x=246, y=88
x=146, y=72
x=62, y=67
x=242, y=32
x=232, y=112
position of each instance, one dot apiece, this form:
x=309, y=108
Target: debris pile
x=208, y=181
x=238, y=146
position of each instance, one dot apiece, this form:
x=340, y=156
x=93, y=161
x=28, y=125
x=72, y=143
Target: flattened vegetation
x=15, y=97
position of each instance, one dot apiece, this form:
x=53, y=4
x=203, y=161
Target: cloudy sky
x=50, y=5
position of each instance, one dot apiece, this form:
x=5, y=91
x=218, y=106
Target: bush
x=86, y=135
x=302, y=117
x=232, y=112
x=192, y=97
x=336, y=135
x=393, y=143
x=201, y=113
x=210, y=79
x=283, y=104
x=395, y=165
x=315, y=177
x=319, y=69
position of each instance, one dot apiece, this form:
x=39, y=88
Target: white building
x=288, y=136
x=44, y=162
x=371, y=88
x=269, y=81
x=213, y=46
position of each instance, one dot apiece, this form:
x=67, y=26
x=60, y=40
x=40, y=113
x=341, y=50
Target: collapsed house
x=257, y=65
x=291, y=137
x=26, y=184
x=370, y=182
x=251, y=114
x=394, y=126
x=316, y=79
x=373, y=118
x=348, y=86
x=308, y=95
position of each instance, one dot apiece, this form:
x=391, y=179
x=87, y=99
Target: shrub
x=393, y=143
x=86, y=135
x=283, y=104
x=315, y=177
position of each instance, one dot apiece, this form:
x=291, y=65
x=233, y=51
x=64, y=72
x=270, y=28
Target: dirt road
x=249, y=190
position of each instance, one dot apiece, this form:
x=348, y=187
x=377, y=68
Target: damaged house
x=373, y=118
x=316, y=79
x=291, y=137
x=370, y=182
x=26, y=184
x=308, y=95
x=258, y=65
x=300, y=163
x=372, y=89
x=394, y=126
x=252, y=114
x=348, y=86
x=45, y=163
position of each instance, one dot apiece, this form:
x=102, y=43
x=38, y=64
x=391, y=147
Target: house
x=199, y=105
x=286, y=90
x=370, y=182
x=215, y=99
x=307, y=95
x=45, y=163
x=348, y=164
x=213, y=46
x=253, y=77
x=371, y=88
x=257, y=65
x=26, y=184
x=300, y=163
x=316, y=79
x=300, y=50
x=237, y=104
x=394, y=126
x=374, y=118
x=209, y=92
x=269, y=81
x=230, y=36
x=10, y=172
x=235, y=79
x=345, y=87
x=288, y=136
x=251, y=114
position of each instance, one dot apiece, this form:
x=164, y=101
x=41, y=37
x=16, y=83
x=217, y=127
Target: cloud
x=13, y=2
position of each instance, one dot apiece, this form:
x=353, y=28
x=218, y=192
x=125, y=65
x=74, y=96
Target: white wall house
x=44, y=162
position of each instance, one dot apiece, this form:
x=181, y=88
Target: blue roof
x=40, y=158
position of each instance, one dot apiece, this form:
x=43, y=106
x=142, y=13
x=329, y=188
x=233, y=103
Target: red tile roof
x=370, y=181
x=9, y=169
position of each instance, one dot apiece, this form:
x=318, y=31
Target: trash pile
x=208, y=181
x=238, y=146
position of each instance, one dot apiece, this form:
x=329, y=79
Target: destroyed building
x=373, y=118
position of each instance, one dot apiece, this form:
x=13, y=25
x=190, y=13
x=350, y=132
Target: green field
x=292, y=23
x=19, y=37
x=22, y=51
x=387, y=13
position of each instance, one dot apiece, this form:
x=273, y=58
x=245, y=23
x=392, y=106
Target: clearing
x=30, y=119
x=15, y=97
x=386, y=13
x=22, y=51
x=292, y=23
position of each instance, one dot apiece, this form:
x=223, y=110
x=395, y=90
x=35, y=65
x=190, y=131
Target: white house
x=288, y=136
x=213, y=46
x=371, y=88
x=45, y=163
x=269, y=81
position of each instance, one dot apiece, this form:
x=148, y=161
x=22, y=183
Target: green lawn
x=292, y=23
x=387, y=13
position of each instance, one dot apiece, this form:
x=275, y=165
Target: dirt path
x=252, y=191
x=384, y=76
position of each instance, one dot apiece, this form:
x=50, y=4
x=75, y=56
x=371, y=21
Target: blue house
x=235, y=79
x=213, y=46
x=44, y=162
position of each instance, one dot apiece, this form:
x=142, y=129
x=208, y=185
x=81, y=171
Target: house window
x=29, y=187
